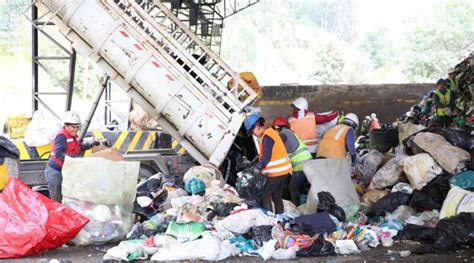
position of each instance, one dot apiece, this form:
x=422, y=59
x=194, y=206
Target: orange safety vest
x=305, y=128
x=279, y=163
x=374, y=125
x=333, y=144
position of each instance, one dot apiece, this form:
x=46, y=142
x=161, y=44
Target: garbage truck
x=149, y=53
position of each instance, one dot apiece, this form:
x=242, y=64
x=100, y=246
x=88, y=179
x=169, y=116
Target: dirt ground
x=91, y=254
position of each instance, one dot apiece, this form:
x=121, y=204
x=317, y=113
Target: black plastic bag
x=449, y=234
x=390, y=203
x=155, y=206
x=250, y=184
x=8, y=149
x=260, y=234
x=327, y=203
x=148, y=186
x=220, y=210
x=300, y=229
x=320, y=248
x=433, y=194
x=417, y=233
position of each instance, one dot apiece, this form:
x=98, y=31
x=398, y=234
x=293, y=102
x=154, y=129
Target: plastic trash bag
x=108, y=223
x=420, y=169
x=320, y=222
x=42, y=129
x=432, y=195
x=459, y=138
x=130, y=250
x=402, y=187
x=320, y=248
x=445, y=154
x=285, y=254
x=209, y=248
x=249, y=184
x=243, y=244
x=370, y=198
x=391, y=202
x=194, y=186
x=206, y=173
x=464, y=180
x=333, y=176
x=367, y=165
x=32, y=223
x=346, y=247
x=457, y=201
x=187, y=231
x=449, y=234
x=260, y=234
x=405, y=130
x=100, y=181
x=388, y=175
x=219, y=210
x=241, y=222
x=327, y=203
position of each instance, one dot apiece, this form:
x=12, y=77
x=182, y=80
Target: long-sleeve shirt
x=60, y=144
x=350, y=143
x=267, y=151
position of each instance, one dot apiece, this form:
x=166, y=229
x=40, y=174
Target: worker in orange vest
x=340, y=140
x=273, y=161
x=303, y=123
x=374, y=123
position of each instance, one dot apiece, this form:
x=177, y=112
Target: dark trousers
x=296, y=182
x=443, y=121
x=273, y=192
x=54, y=179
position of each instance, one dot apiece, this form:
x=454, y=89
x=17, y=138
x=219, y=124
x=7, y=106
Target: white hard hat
x=301, y=103
x=373, y=116
x=352, y=120
x=367, y=118
x=71, y=117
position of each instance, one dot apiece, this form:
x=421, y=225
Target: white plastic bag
x=346, y=247
x=205, y=173
x=42, y=129
x=387, y=176
x=108, y=223
x=208, y=248
x=241, y=222
x=420, y=170
x=267, y=250
x=445, y=154
x=334, y=176
x=130, y=250
x=100, y=181
x=457, y=201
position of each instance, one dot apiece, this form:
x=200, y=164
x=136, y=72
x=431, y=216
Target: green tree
x=379, y=47
x=438, y=41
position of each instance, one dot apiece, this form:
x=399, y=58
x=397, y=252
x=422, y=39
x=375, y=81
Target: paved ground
x=380, y=254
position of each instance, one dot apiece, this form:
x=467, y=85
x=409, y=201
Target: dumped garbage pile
x=461, y=84
x=410, y=183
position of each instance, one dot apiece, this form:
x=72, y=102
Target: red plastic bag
x=32, y=223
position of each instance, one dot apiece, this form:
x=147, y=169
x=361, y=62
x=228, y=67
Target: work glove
x=257, y=169
x=95, y=142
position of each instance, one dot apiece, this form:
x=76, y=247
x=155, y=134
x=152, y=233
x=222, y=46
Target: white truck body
x=137, y=50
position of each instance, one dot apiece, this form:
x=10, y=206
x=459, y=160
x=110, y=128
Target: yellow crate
x=16, y=125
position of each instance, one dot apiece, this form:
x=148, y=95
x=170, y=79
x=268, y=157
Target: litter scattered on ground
x=410, y=183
